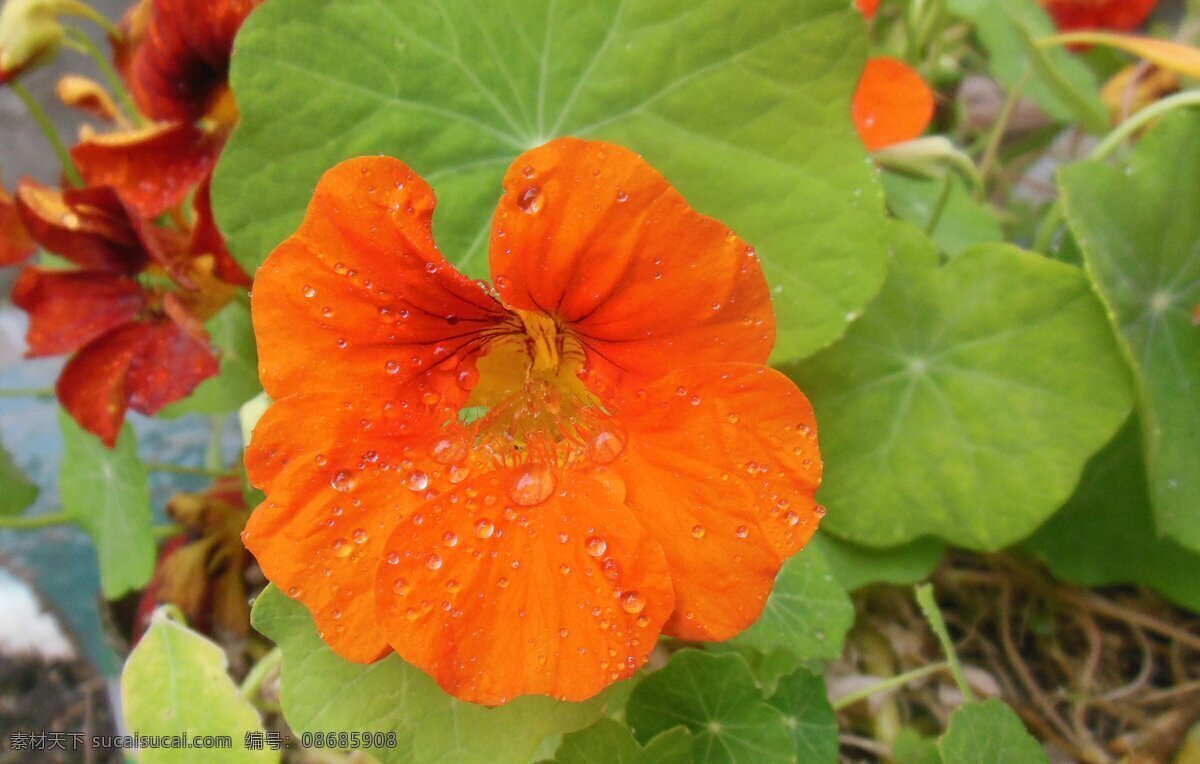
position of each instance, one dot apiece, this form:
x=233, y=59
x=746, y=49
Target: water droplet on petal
x=533, y=485
x=484, y=528
x=433, y=562
x=698, y=531
x=342, y=549
x=742, y=532
x=393, y=558
x=633, y=603
x=605, y=446
x=530, y=200
x=342, y=481
x=450, y=450
x=595, y=546
x=418, y=480
x=309, y=291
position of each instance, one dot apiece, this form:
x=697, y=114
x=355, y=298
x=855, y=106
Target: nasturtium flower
x=1122, y=15
x=868, y=8
x=132, y=312
x=519, y=486
x=892, y=104
x=175, y=59
x=16, y=244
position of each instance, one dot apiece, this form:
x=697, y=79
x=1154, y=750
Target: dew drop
x=308, y=291
x=418, y=480
x=393, y=558
x=633, y=603
x=450, y=450
x=450, y=539
x=342, y=481
x=698, y=531
x=622, y=196
x=742, y=532
x=392, y=367
x=433, y=562
x=400, y=587
x=532, y=486
x=360, y=536
x=791, y=518
x=595, y=546
x=530, y=200
x=484, y=528
x=342, y=549
x=605, y=446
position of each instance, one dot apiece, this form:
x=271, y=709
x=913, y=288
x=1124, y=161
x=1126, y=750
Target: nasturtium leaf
x=958, y=221
x=176, y=682
x=989, y=733
x=17, y=492
x=855, y=566
x=237, y=380
x=810, y=718
x=320, y=692
x=1060, y=83
x=807, y=612
x=1111, y=512
x=607, y=742
x=1139, y=230
x=966, y=400
x=107, y=493
x=745, y=107
x=911, y=747
x=715, y=697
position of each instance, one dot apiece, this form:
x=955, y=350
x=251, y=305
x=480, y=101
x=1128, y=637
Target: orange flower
x=15, y=242
x=892, y=104
x=1123, y=15
x=519, y=488
x=868, y=8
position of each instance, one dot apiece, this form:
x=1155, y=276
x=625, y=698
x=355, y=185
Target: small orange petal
x=868, y=7
x=359, y=297
x=893, y=104
x=721, y=467
x=498, y=590
x=88, y=96
x=590, y=232
x=88, y=226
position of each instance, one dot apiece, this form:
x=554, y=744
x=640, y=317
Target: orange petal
x=153, y=168
x=15, y=242
x=868, y=7
x=1122, y=15
x=68, y=309
x=892, y=104
x=720, y=467
x=359, y=297
x=88, y=96
x=495, y=599
x=88, y=226
x=339, y=471
x=593, y=234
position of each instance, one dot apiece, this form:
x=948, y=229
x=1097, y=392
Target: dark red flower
x=132, y=312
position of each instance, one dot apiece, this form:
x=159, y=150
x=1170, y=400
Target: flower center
x=537, y=406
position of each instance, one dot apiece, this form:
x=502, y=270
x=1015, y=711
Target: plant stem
x=933, y=614
x=27, y=392
x=943, y=199
x=259, y=672
x=996, y=137
x=34, y=522
x=1140, y=119
x=85, y=45
x=891, y=683
x=39, y=116
x=180, y=469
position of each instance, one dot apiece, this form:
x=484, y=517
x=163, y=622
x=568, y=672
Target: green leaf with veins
x=1139, y=230
x=320, y=692
x=811, y=722
x=966, y=400
x=716, y=698
x=107, y=493
x=855, y=566
x=807, y=612
x=1111, y=512
x=176, y=682
x=607, y=742
x=989, y=733
x=745, y=108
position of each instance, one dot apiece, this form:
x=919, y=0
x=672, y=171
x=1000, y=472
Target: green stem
x=933, y=614
x=39, y=116
x=1139, y=120
x=1056, y=213
x=27, y=392
x=891, y=683
x=85, y=45
x=180, y=469
x=34, y=522
x=996, y=138
x=943, y=199
x=259, y=672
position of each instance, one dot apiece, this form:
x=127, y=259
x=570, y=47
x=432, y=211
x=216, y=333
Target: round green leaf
x=322, y=692
x=811, y=721
x=16, y=490
x=1140, y=235
x=176, y=682
x=966, y=400
x=856, y=566
x=807, y=613
x=744, y=107
x=988, y=733
x=715, y=697
x=607, y=742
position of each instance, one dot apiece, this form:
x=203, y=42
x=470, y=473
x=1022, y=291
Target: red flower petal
x=68, y=309
x=359, y=297
x=15, y=242
x=593, y=234
x=169, y=366
x=207, y=240
x=1121, y=15
x=88, y=226
x=153, y=168
x=868, y=7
